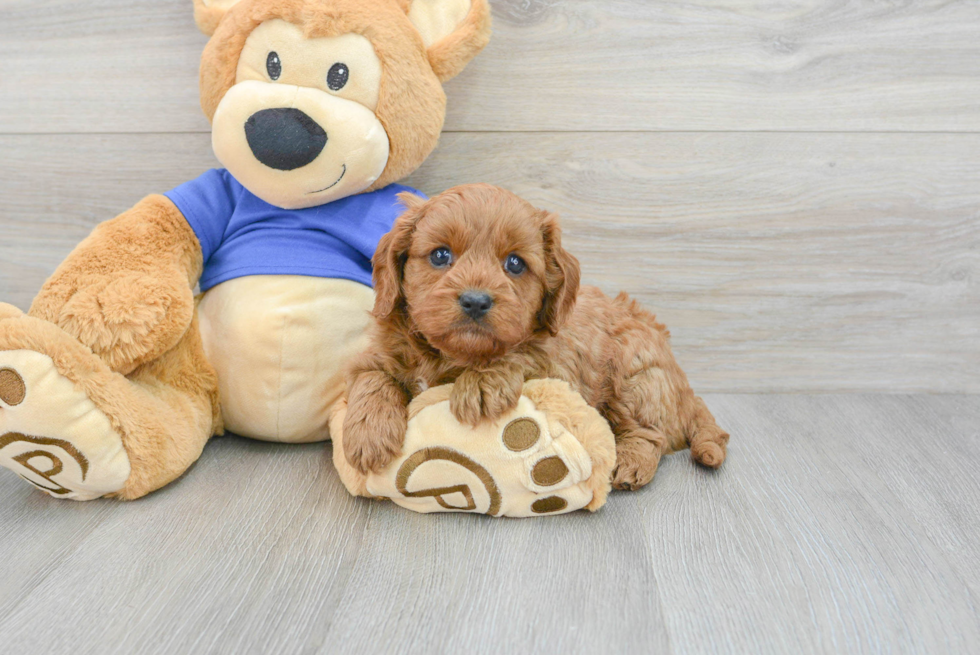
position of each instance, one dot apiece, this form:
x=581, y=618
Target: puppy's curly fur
x=535, y=322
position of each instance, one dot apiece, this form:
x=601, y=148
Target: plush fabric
x=279, y=344
x=436, y=19
x=79, y=445
x=551, y=455
x=163, y=412
x=450, y=54
x=315, y=147
x=243, y=235
x=305, y=62
x=411, y=104
x=126, y=291
x=208, y=13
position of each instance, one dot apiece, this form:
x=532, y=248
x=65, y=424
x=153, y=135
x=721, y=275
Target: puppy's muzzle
x=284, y=139
x=475, y=304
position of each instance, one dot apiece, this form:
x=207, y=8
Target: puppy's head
x=475, y=271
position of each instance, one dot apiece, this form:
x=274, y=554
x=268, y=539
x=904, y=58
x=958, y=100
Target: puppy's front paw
x=374, y=436
x=500, y=394
x=479, y=396
x=465, y=400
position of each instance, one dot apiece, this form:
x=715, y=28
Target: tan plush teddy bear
x=116, y=378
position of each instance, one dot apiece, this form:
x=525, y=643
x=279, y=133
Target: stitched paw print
x=52, y=435
x=554, y=463
x=520, y=465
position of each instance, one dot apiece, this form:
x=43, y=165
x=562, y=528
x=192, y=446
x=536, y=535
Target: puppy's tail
x=708, y=442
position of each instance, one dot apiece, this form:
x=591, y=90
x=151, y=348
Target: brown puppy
x=473, y=287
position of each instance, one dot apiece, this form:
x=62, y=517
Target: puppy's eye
x=338, y=76
x=273, y=66
x=515, y=265
x=441, y=257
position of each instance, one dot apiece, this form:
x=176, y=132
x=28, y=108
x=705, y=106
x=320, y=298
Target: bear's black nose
x=475, y=304
x=284, y=139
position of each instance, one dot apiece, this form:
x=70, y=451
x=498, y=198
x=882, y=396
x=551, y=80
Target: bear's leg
x=74, y=428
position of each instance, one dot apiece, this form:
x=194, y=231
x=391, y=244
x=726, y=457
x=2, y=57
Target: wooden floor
x=793, y=187
x=839, y=524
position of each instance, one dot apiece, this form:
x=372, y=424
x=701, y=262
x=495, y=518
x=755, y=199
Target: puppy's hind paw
x=708, y=453
x=632, y=476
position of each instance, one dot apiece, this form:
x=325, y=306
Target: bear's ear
x=453, y=31
x=208, y=13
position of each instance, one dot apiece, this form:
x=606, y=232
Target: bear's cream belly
x=279, y=344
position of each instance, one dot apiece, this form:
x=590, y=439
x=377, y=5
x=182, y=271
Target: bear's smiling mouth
x=342, y=174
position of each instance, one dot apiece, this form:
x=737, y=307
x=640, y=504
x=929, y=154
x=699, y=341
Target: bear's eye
x=338, y=76
x=515, y=265
x=273, y=66
x=441, y=257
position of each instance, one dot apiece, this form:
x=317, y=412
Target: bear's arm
x=127, y=291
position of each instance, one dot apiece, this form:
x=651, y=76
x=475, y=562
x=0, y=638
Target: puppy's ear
x=389, y=258
x=411, y=200
x=562, y=276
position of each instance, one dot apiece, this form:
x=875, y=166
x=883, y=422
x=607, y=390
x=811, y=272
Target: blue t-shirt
x=241, y=234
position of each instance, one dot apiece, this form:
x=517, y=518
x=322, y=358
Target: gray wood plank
x=34, y=542
x=811, y=538
x=101, y=66
x=938, y=484
x=838, y=524
x=131, y=66
x=780, y=261
x=249, y=552
x=464, y=584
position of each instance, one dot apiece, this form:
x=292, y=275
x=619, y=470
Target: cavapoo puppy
x=474, y=287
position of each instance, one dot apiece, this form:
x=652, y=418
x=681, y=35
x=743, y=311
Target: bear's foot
x=530, y=462
x=51, y=433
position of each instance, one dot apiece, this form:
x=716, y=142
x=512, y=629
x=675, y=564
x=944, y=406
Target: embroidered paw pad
x=52, y=435
x=520, y=465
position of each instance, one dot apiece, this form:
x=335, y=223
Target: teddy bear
x=118, y=375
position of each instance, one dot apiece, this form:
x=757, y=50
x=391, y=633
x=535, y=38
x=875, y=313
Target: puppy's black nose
x=284, y=139
x=475, y=304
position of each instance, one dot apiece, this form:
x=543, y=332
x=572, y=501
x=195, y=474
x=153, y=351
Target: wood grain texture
x=571, y=65
x=252, y=548
x=781, y=262
x=838, y=524
x=465, y=584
